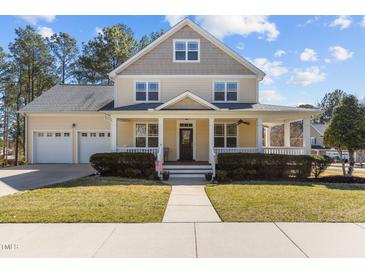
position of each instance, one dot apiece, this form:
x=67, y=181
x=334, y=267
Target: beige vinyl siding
x=125, y=133
x=172, y=87
x=64, y=122
x=159, y=60
x=247, y=134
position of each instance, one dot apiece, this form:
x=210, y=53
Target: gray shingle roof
x=230, y=106
x=71, y=98
x=140, y=106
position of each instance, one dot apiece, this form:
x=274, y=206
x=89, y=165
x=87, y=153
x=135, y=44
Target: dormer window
x=186, y=50
x=225, y=91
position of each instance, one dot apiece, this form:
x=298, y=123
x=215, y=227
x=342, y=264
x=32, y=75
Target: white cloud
x=327, y=60
x=309, y=55
x=174, y=19
x=270, y=96
x=34, y=19
x=225, y=25
x=240, y=46
x=305, y=77
x=309, y=21
x=340, y=53
x=45, y=32
x=279, y=53
x=272, y=69
x=362, y=23
x=98, y=30
x=343, y=22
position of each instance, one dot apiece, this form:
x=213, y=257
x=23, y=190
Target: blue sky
x=304, y=56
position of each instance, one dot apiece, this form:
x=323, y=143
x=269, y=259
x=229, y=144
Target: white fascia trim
x=156, y=76
x=187, y=94
x=204, y=33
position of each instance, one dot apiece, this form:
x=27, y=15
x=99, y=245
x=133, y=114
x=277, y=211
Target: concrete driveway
x=14, y=179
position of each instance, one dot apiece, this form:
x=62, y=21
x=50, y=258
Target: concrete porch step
x=187, y=171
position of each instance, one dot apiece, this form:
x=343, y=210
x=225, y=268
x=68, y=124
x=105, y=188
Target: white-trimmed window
x=225, y=91
x=146, y=135
x=147, y=91
x=225, y=135
x=186, y=50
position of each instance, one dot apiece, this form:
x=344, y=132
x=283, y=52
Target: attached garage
x=52, y=147
x=91, y=142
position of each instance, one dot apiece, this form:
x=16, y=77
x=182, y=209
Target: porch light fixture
x=73, y=125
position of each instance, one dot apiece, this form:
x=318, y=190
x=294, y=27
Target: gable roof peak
x=188, y=22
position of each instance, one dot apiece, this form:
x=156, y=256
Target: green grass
x=288, y=202
x=88, y=200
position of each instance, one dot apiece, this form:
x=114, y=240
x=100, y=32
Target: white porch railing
x=284, y=150
x=218, y=150
x=153, y=150
x=267, y=150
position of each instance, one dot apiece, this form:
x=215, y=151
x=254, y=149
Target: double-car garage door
x=58, y=147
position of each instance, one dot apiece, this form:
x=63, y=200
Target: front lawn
x=288, y=202
x=88, y=200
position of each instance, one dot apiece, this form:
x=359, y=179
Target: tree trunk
x=342, y=162
x=351, y=162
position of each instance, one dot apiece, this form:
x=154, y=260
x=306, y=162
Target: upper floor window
x=187, y=50
x=226, y=91
x=147, y=91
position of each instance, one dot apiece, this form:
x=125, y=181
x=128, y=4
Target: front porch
x=201, y=139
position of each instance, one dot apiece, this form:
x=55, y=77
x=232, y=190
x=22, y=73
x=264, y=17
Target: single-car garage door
x=91, y=142
x=52, y=147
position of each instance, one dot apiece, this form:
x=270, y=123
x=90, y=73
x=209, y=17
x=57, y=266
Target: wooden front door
x=186, y=144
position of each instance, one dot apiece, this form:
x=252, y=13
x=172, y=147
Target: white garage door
x=52, y=147
x=92, y=142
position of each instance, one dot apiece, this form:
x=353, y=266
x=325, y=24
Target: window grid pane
x=180, y=46
x=231, y=96
x=152, y=130
x=232, y=86
x=141, y=87
x=219, y=130
x=231, y=130
x=140, y=130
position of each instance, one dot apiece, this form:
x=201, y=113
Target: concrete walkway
x=19, y=178
x=162, y=240
x=189, y=204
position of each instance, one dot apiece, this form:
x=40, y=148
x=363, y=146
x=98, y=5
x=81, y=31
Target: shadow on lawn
x=310, y=182
x=105, y=181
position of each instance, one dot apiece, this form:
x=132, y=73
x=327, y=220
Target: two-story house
x=186, y=98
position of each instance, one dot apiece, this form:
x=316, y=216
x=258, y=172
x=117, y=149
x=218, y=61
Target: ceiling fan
x=240, y=121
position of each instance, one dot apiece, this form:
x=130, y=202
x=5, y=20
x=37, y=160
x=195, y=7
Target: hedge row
x=124, y=164
x=247, y=166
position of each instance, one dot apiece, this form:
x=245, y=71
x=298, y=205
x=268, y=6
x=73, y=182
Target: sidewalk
x=192, y=240
x=189, y=204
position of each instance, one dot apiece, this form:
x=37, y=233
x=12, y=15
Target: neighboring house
x=185, y=97
x=317, y=133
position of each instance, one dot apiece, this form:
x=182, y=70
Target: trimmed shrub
x=251, y=166
x=320, y=164
x=124, y=164
x=221, y=175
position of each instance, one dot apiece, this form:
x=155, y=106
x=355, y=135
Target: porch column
x=306, y=136
x=286, y=134
x=259, y=135
x=211, y=139
x=268, y=136
x=160, y=138
x=113, y=134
